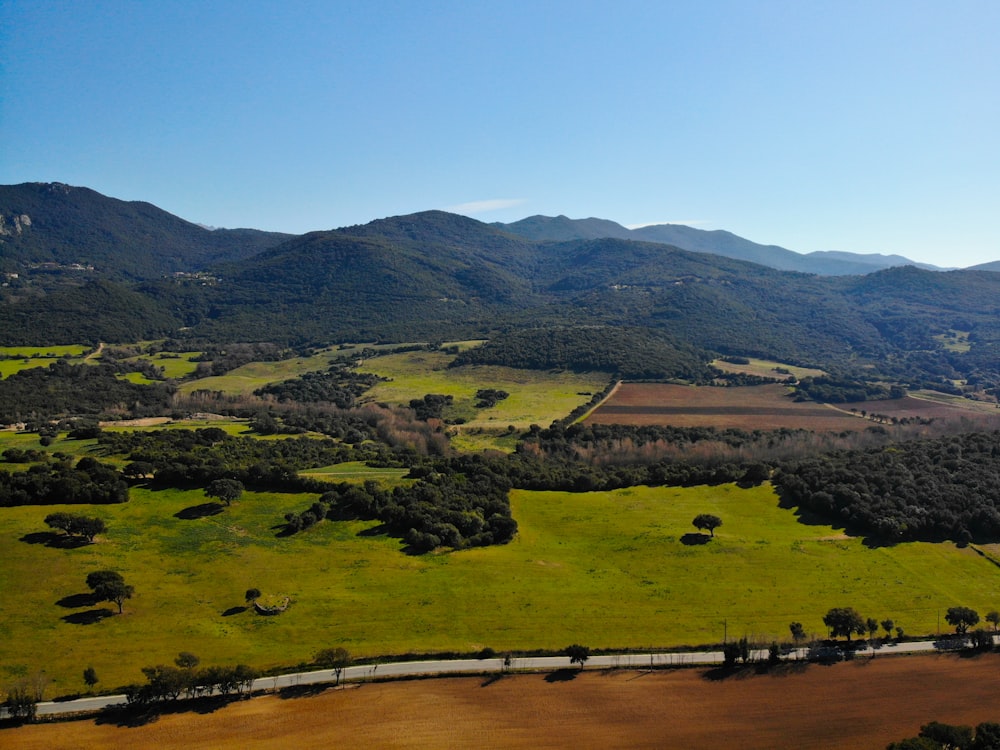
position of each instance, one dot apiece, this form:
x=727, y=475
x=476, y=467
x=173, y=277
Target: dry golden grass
x=859, y=704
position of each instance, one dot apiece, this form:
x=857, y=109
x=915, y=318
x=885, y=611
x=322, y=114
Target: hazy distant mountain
x=991, y=266
x=52, y=223
x=717, y=242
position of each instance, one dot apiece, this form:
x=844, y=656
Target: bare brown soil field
x=760, y=407
x=860, y=704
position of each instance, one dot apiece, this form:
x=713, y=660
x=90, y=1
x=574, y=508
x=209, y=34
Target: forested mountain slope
x=64, y=225
x=435, y=276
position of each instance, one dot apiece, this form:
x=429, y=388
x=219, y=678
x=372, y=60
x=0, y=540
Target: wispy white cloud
x=481, y=207
x=685, y=222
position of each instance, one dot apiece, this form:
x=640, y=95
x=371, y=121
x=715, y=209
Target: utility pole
x=725, y=631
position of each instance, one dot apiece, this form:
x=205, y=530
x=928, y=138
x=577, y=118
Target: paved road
x=365, y=672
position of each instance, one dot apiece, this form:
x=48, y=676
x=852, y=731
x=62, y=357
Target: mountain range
x=80, y=267
x=717, y=242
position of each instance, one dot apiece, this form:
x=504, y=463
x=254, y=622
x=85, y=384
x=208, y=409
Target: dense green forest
x=633, y=353
x=126, y=239
x=947, y=488
x=49, y=482
x=61, y=389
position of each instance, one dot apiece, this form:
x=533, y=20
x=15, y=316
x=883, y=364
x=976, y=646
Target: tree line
x=59, y=481
x=933, y=489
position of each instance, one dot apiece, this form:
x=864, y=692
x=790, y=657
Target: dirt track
x=862, y=704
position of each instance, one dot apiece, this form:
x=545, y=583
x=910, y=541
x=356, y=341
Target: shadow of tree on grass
x=75, y=601
x=89, y=617
x=694, y=539
x=56, y=541
x=199, y=511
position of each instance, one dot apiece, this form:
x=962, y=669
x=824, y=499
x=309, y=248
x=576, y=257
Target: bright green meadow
x=604, y=569
x=535, y=397
x=17, y=358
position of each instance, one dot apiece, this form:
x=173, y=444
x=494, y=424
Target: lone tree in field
x=225, y=490
x=993, y=617
x=109, y=586
x=90, y=677
x=252, y=595
x=336, y=659
x=578, y=654
x=962, y=618
x=75, y=525
x=187, y=660
x=706, y=521
x=844, y=621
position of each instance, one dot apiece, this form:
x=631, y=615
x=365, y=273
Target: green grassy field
x=49, y=352
x=248, y=378
x=176, y=365
x=535, y=397
x=767, y=368
x=604, y=569
x=28, y=357
x=356, y=471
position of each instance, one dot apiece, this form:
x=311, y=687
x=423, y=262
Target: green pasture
x=767, y=368
x=357, y=471
x=18, y=358
x=535, y=397
x=45, y=352
x=954, y=341
x=176, y=365
x=604, y=569
x=248, y=378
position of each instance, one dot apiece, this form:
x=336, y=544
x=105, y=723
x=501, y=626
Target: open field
x=248, y=378
x=535, y=397
x=767, y=368
x=175, y=365
x=860, y=704
x=357, y=471
x=767, y=407
x=614, y=569
x=46, y=352
x=28, y=357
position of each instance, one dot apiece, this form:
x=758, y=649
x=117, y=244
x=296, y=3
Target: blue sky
x=856, y=126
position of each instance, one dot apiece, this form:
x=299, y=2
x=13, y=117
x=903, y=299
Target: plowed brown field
x=760, y=407
x=859, y=704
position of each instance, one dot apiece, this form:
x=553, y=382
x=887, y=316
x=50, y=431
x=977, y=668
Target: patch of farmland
x=866, y=703
x=766, y=368
x=764, y=407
